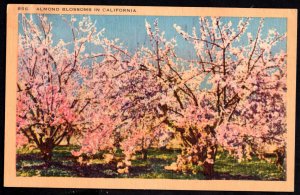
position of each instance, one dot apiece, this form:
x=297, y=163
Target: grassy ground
x=31, y=164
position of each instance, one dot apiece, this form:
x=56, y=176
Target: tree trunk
x=144, y=154
x=47, y=151
x=47, y=157
x=208, y=169
x=68, y=140
x=280, y=157
x=208, y=165
x=193, y=140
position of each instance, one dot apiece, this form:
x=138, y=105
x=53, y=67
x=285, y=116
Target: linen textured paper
x=150, y=97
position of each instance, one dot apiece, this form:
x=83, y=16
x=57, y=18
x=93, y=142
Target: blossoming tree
x=50, y=99
x=246, y=100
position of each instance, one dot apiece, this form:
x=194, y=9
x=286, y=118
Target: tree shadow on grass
x=228, y=176
x=28, y=157
x=97, y=170
x=65, y=165
x=33, y=164
x=136, y=171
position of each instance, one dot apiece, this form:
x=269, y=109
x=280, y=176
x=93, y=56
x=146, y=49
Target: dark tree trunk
x=144, y=154
x=47, y=157
x=68, y=140
x=208, y=169
x=47, y=151
x=208, y=165
x=280, y=156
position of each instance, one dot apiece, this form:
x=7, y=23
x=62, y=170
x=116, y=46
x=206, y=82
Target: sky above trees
x=130, y=30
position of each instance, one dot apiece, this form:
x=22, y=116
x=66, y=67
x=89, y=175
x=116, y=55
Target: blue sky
x=131, y=29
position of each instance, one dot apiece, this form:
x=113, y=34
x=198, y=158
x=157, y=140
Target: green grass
x=256, y=169
x=30, y=163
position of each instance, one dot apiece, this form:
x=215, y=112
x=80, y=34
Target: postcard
x=133, y=97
